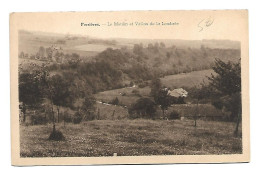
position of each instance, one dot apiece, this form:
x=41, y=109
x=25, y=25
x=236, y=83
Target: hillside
x=125, y=61
x=30, y=42
x=160, y=51
x=186, y=79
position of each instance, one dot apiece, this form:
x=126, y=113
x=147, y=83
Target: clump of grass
x=56, y=136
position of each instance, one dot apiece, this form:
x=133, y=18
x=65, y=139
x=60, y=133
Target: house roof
x=178, y=93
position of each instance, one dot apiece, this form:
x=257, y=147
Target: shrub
x=68, y=119
x=39, y=119
x=90, y=116
x=66, y=116
x=56, y=136
x=131, y=84
x=115, y=101
x=142, y=85
x=174, y=115
x=180, y=100
x=143, y=108
x=77, y=118
x=136, y=92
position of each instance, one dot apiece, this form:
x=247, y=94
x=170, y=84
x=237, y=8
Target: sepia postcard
x=129, y=87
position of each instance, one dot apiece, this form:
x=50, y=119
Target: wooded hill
x=120, y=62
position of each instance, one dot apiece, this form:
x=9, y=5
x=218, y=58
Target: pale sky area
x=192, y=25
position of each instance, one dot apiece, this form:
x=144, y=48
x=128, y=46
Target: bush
x=136, y=92
x=77, y=118
x=66, y=117
x=131, y=84
x=174, y=115
x=143, y=84
x=115, y=101
x=143, y=108
x=56, y=136
x=39, y=119
x=180, y=100
x=90, y=116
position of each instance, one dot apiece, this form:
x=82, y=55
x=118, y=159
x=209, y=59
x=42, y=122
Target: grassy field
x=111, y=112
x=131, y=137
x=186, y=79
x=125, y=95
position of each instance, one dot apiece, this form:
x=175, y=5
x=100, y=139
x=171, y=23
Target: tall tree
x=156, y=86
x=227, y=80
x=160, y=95
x=56, y=89
x=163, y=99
x=88, y=106
x=49, y=53
x=60, y=93
x=30, y=93
x=226, y=85
x=41, y=52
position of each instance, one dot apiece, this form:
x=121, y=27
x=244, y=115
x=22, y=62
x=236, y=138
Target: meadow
x=187, y=79
x=126, y=96
x=131, y=138
x=111, y=112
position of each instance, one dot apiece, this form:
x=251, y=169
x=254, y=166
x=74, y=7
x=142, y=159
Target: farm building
x=178, y=93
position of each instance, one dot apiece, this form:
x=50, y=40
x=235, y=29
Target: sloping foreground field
x=131, y=137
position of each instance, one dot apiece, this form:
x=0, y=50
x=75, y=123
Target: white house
x=178, y=93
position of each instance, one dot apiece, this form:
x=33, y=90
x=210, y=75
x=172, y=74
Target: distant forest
x=116, y=68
